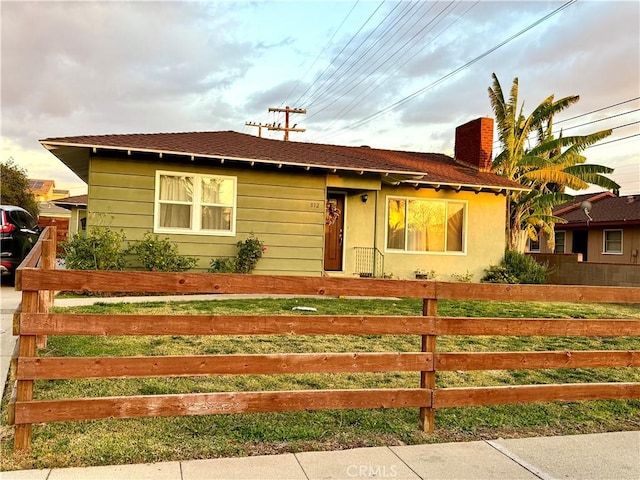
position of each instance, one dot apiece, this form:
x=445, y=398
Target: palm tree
x=546, y=169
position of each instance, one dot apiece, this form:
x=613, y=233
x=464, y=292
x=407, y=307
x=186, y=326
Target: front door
x=580, y=243
x=333, y=232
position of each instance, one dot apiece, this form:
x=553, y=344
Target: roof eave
x=477, y=187
x=417, y=178
x=333, y=168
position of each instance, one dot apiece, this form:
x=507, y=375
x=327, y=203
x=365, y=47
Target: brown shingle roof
x=438, y=168
x=606, y=209
x=74, y=201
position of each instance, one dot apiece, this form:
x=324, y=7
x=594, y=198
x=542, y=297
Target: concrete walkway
x=598, y=456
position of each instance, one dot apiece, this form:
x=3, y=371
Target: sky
x=393, y=75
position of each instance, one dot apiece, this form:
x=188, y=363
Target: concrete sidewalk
x=598, y=456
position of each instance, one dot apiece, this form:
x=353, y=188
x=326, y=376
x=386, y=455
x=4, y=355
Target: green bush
x=516, y=268
x=249, y=252
x=100, y=249
x=159, y=255
x=498, y=274
x=223, y=265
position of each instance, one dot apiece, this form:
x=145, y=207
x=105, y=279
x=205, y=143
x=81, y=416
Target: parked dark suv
x=19, y=232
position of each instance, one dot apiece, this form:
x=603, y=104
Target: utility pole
x=259, y=125
x=286, y=127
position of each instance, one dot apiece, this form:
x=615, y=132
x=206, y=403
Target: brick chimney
x=474, y=143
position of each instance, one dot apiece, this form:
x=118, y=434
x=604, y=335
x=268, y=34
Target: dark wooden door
x=333, y=232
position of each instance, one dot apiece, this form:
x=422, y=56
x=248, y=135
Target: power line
x=340, y=53
x=408, y=98
x=533, y=134
x=401, y=15
x=602, y=119
x=599, y=144
x=598, y=110
x=375, y=86
x=322, y=51
x=384, y=60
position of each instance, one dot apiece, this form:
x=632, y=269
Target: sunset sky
x=395, y=75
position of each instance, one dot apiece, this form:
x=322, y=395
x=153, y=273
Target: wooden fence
x=35, y=323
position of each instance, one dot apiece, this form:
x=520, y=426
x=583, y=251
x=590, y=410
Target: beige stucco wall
x=484, y=236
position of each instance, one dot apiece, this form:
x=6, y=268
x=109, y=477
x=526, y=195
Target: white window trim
x=604, y=241
x=417, y=252
x=195, y=220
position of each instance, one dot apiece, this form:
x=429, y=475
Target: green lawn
x=172, y=438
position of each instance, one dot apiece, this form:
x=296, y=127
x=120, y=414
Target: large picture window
x=192, y=203
x=424, y=225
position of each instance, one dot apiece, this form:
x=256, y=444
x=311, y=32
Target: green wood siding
x=283, y=209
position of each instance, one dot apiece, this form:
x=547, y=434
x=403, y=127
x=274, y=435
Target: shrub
x=223, y=265
x=498, y=274
x=516, y=268
x=159, y=255
x=100, y=249
x=466, y=277
x=249, y=252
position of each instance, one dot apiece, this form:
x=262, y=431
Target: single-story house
x=603, y=227
x=49, y=215
x=319, y=209
x=77, y=208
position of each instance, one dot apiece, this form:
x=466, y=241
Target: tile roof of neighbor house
x=74, y=201
x=434, y=167
x=605, y=209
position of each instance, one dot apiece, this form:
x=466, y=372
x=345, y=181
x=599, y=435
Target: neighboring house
x=318, y=208
x=50, y=214
x=77, y=206
x=45, y=190
x=603, y=227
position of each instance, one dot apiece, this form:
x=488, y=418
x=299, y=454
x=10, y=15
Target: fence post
x=428, y=379
x=47, y=262
x=24, y=388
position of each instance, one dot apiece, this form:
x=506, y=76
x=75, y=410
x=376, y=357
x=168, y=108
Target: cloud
x=72, y=68
x=99, y=63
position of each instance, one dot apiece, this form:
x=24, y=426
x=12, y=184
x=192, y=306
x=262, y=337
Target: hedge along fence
x=35, y=321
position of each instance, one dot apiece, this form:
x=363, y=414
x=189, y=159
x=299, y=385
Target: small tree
x=15, y=188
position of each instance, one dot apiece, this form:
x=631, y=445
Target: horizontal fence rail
x=36, y=278
x=190, y=283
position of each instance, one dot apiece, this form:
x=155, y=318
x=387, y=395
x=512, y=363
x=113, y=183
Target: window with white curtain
x=194, y=203
x=425, y=225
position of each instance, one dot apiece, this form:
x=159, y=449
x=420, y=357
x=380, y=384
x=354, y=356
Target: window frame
x=564, y=241
x=407, y=199
x=197, y=204
x=604, y=241
x=530, y=247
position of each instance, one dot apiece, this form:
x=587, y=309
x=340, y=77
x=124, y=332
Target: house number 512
x=315, y=204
